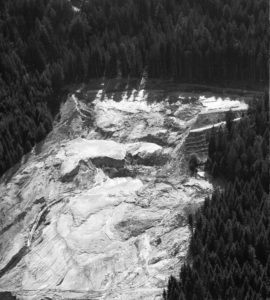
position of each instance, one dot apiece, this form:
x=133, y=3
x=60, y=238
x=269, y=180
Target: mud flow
x=99, y=209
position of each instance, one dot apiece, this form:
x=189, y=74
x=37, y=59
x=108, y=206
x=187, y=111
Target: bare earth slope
x=98, y=210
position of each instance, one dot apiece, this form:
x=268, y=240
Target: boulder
x=100, y=152
x=146, y=153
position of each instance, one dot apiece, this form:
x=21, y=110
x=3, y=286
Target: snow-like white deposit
x=131, y=102
x=82, y=148
x=218, y=103
x=142, y=148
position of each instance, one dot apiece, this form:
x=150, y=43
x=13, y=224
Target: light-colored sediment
x=101, y=211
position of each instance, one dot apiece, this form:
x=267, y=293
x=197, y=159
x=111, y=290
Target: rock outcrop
x=148, y=154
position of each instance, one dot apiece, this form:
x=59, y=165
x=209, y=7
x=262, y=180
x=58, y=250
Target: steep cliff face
x=99, y=209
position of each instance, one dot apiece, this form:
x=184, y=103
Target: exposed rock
x=142, y=149
x=137, y=222
x=187, y=112
x=68, y=171
x=89, y=218
x=13, y=253
x=148, y=154
x=175, y=123
x=159, y=137
x=100, y=152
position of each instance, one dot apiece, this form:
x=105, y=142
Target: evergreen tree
x=229, y=251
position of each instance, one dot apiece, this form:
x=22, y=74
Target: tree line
x=229, y=253
x=47, y=44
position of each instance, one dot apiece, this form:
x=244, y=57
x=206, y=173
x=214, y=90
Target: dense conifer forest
x=229, y=255
x=47, y=44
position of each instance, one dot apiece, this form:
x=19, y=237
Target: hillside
x=134, y=150
x=47, y=44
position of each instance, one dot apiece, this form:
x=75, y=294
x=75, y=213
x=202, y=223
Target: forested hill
x=229, y=254
x=45, y=44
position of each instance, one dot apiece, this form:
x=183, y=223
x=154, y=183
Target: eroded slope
x=99, y=209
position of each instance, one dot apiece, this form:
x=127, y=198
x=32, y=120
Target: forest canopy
x=229, y=253
x=47, y=44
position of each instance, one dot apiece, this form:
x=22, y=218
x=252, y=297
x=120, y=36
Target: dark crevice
x=14, y=261
x=19, y=218
x=7, y=296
